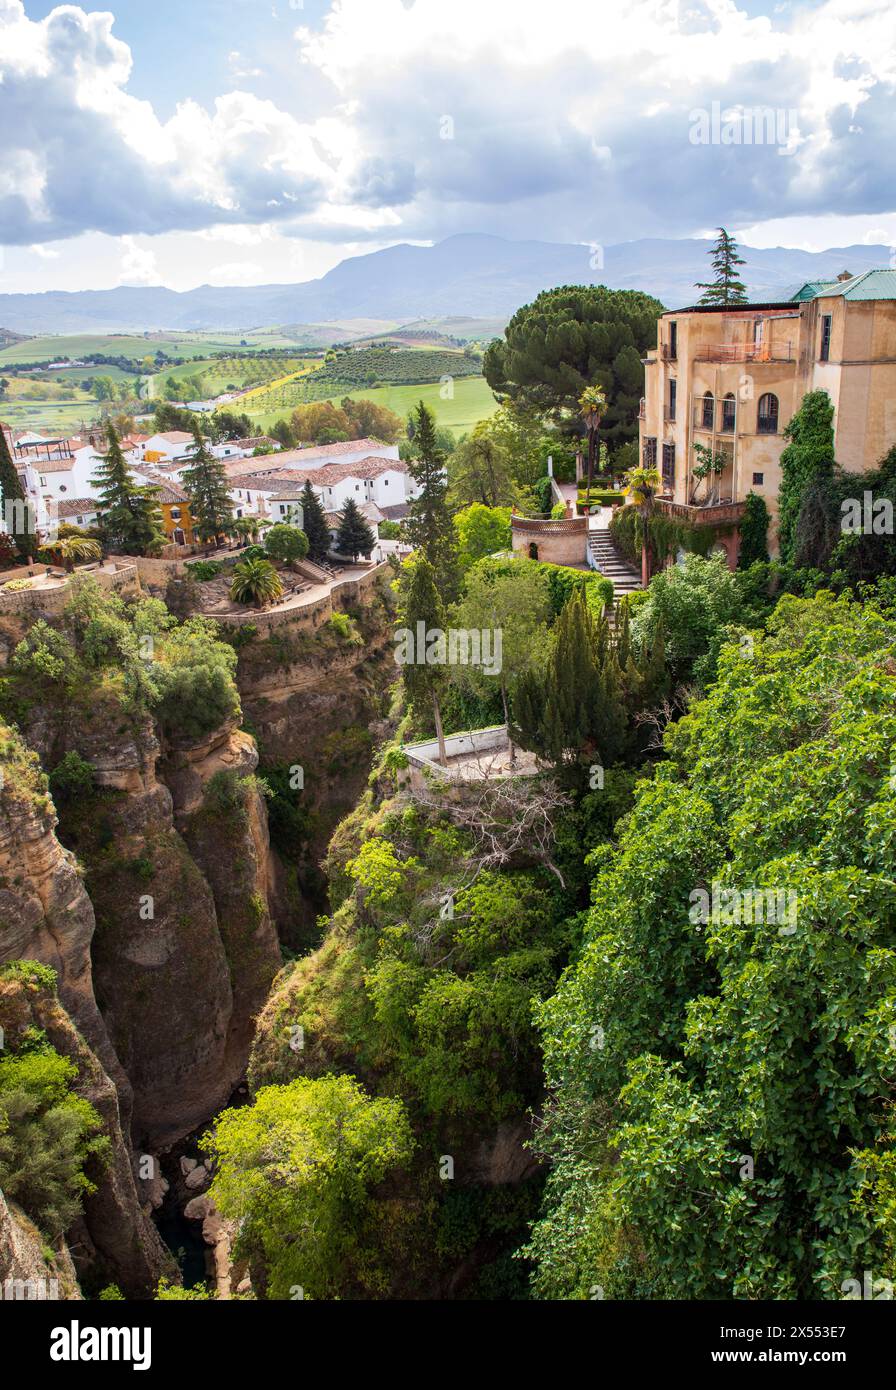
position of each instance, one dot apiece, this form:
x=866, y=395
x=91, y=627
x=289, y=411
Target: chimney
x=845, y=275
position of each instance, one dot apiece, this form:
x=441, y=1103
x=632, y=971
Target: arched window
x=533, y=551
x=708, y=408
x=728, y=413
x=767, y=414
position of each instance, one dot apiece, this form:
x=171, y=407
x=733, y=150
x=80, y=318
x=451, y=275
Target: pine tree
x=726, y=288
x=429, y=524
x=129, y=512
x=21, y=522
x=314, y=524
x=205, y=483
x=355, y=536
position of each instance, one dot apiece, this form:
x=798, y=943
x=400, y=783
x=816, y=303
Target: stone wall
x=563, y=542
x=123, y=579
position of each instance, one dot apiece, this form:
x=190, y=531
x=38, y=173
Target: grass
x=473, y=401
x=52, y=348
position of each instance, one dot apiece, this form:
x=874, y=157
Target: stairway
x=626, y=579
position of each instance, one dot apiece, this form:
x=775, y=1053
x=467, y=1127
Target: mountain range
x=471, y=274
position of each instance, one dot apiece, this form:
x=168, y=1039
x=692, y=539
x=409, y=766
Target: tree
x=429, y=525
x=573, y=714
x=726, y=288
x=593, y=405
x=49, y=1136
x=72, y=550
x=255, y=581
x=129, y=512
x=354, y=537
x=733, y=974
x=693, y=607
x=19, y=517
x=367, y=420
x=479, y=470
x=297, y=1171
x=205, y=482
x=286, y=543
x=421, y=609
x=753, y=532
x=642, y=485
x=516, y=606
x=481, y=531
x=807, y=458
x=566, y=340
x=314, y=524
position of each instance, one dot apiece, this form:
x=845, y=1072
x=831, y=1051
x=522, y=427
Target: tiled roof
x=77, y=506
x=325, y=452
x=369, y=510
x=166, y=490
x=45, y=465
x=175, y=436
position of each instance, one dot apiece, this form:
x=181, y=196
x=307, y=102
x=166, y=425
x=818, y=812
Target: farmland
x=471, y=402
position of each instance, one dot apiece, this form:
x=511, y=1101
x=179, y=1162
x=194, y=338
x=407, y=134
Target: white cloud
x=138, y=264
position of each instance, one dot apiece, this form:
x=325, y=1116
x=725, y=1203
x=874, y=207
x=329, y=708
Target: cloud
x=138, y=264
x=517, y=119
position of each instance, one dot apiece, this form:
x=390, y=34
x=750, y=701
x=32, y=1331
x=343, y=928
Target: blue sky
x=253, y=141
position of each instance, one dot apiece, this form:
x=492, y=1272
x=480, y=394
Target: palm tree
x=246, y=528
x=72, y=550
x=642, y=485
x=593, y=405
x=255, y=581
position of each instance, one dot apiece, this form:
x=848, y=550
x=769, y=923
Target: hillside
x=482, y=276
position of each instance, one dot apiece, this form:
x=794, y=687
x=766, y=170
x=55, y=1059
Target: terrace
x=478, y=755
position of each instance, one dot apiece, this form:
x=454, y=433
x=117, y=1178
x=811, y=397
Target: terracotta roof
x=45, y=465
x=325, y=452
x=173, y=436
x=77, y=506
x=369, y=510
x=166, y=491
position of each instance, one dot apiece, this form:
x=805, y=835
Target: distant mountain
x=475, y=275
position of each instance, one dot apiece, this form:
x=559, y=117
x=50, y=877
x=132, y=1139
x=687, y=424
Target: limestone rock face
x=25, y=1273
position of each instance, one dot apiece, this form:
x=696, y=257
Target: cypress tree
x=205, y=483
x=355, y=536
x=429, y=525
x=129, y=512
x=314, y=524
x=420, y=602
x=21, y=522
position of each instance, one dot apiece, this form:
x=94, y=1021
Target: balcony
x=728, y=513
x=668, y=352
x=745, y=352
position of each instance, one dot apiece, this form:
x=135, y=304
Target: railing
x=744, y=352
x=718, y=514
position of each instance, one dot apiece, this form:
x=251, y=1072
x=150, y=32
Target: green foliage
x=807, y=459
x=725, y=287
x=429, y=526
x=753, y=532
x=205, y=483
x=569, y=339
x=255, y=581
x=354, y=536
x=204, y=570
x=286, y=543
x=346, y=628
x=196, y=678
x=718, y=1127
x=24, y=532
x=130, y=519
x=49, y=1136
x=314, y=524
x=72, y=778
x=694, y=606
x=481, y=531
x=297, y=1170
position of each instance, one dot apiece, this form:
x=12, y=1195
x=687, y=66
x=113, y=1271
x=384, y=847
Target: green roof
x=871, y=284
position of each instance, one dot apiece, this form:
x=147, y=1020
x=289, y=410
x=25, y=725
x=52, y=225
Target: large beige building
x=731, y=378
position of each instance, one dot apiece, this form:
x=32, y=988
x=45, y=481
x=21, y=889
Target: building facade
x=730, y=379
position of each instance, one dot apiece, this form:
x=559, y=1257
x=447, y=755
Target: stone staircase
x=626, y=579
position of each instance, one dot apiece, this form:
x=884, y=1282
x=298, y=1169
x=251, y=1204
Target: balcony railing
x=744, y=352
x=726, y=513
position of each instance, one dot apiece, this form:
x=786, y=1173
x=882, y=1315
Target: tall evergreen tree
x=421, y=609
x=129, y=511
x=21, y=522
x=314, y=524
x=205, y=483
x=726, y=288
x=355, y=536
x=806, y=461
x=429, y=525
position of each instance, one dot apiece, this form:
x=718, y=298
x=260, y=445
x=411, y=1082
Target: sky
x=262, y=141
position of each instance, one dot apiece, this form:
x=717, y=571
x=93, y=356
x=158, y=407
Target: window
x=673, y=397
x=668, y=465
x=649, y=452
x=767, y=414
x=825, y=352
x=175, y=513
x=62, y=487
x=729, y=410
x=43, y=481
x=708, y=409
x=673, y=340
x=758, y=479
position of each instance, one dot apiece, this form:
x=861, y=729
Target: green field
x=473, y=401
x=138, y=346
